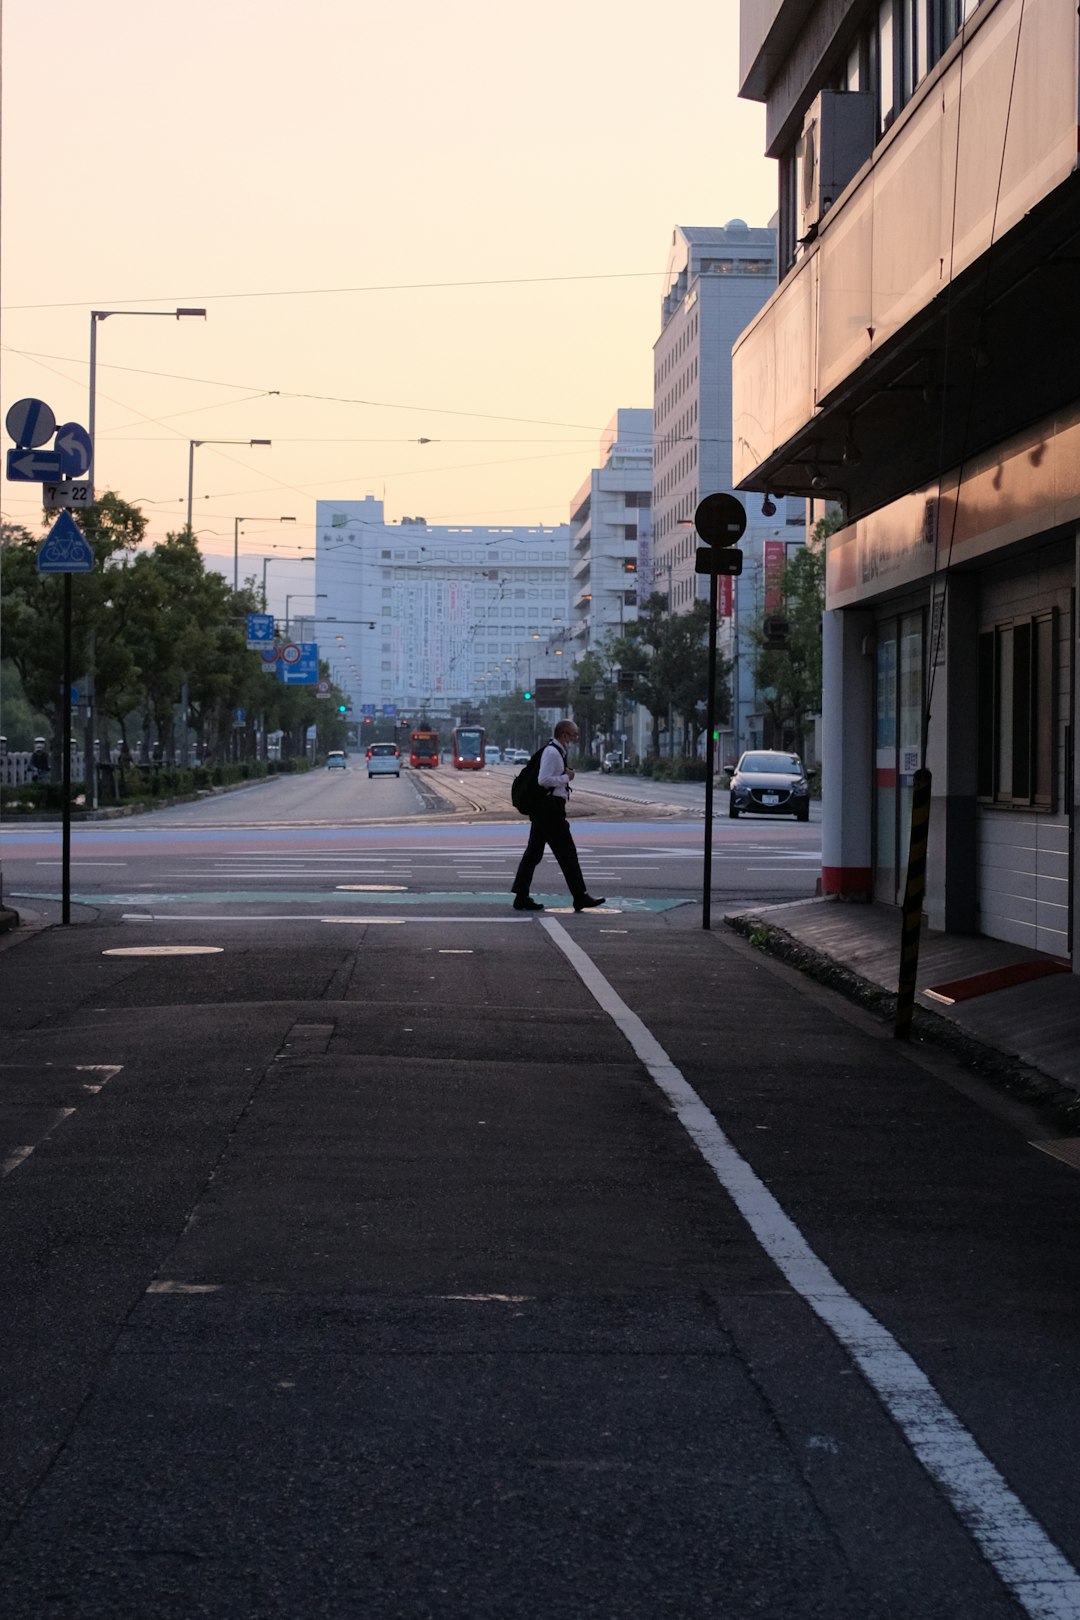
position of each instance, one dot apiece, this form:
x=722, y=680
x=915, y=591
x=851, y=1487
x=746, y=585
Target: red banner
x=725, y=602
x=775, y=562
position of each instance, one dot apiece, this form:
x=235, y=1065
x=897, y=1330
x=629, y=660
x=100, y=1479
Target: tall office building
x=718, y=277
x=611, y=532
x=418, y=617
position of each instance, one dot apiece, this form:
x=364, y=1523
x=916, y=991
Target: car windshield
x=772, y=764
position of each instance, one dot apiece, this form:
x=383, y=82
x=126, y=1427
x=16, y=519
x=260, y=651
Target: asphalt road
x=374, y=1250
x=480, y=1265
x=429, y=838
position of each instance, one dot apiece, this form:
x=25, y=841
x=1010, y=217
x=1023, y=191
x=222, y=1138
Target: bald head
x=565, y=732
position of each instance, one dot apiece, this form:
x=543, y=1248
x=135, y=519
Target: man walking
x=549, y=826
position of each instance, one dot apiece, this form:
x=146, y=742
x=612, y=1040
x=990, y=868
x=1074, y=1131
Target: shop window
x=1016, y=715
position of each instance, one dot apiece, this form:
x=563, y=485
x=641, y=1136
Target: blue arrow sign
x=65, y=549
x=303, y=671
x=34, y=466
x=30, y=422
x=73, y=443
x=260, y=631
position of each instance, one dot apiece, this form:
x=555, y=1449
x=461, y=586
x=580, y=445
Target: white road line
x=1027, y=1561
x=311, y=917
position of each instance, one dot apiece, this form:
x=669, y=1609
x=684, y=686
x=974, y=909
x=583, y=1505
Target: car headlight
x=800, y=788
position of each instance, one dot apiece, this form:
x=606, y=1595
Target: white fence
x=15, y=769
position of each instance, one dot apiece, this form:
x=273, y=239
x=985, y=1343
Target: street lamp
x=278, y=559
x=310, y=595
x=97, y=315
x=236, y=537
x=193, y=445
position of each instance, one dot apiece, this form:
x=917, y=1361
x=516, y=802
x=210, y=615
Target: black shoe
x=525, y=902
x=586, y=903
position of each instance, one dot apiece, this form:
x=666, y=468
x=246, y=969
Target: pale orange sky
x=241, y=155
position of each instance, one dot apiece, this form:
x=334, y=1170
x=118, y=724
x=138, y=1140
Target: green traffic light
x=528, y=697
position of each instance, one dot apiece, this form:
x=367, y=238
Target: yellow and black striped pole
x=914, y=894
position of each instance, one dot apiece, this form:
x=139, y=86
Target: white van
x=492, y=755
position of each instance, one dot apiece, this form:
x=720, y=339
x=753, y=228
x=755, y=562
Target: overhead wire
x=324, y=292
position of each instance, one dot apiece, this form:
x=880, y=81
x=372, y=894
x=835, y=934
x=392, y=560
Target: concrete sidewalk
x=1019, y=1004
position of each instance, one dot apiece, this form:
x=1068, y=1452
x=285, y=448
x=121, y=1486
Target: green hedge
x=670, y=770
x=141, y=784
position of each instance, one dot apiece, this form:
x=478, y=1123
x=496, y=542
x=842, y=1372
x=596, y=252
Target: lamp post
x=193, y=445
x=97, y=315
x=236, y=539
x=310, y=596
x=267, y=560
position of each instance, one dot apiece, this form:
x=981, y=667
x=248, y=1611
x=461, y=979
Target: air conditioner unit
x=837, y=138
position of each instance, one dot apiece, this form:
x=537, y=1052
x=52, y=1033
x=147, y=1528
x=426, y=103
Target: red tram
x=424, y=749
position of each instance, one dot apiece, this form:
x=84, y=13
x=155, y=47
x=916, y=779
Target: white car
x=383, y=759
x=492, y=755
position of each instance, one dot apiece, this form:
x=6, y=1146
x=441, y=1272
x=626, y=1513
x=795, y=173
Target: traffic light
x=626, y=680
x=528, y=697
x=368, y=721
x=343, y=708
x=777, y=633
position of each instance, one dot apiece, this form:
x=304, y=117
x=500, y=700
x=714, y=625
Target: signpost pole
x=66, y=763
x=710, y=764
x=720, y=520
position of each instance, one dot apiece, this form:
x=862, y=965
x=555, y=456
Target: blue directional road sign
x=389, y=710
x=34, y=466
x=65, y=549
x=304, y=671
x=260, y=631
x=73, y=443
x=30, y=422
x=367, y=708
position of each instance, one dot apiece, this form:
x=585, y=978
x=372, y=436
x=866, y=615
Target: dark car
x=768, y=782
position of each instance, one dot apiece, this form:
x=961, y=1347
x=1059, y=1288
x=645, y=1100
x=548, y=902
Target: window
x=1016, y=712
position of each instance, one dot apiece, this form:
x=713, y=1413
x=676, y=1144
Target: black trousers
x=550, y=828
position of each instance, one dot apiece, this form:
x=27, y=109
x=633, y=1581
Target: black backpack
x=526, y=794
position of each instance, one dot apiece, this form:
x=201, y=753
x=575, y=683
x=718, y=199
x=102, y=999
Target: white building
x=611, y=532
x=718, y=278
x=415, y=617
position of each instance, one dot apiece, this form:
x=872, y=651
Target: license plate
x=770, y=798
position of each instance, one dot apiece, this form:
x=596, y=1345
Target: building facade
x=917, y=365
x=611, y=532
x=422, y=618
x=718, y=278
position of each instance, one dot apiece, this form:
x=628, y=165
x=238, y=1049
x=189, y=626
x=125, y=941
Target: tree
x=790, y=680
x=668, y=655
x=593, y=695
x=33, y=614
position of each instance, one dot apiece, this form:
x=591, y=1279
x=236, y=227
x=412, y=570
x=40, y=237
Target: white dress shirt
x=553, y=771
